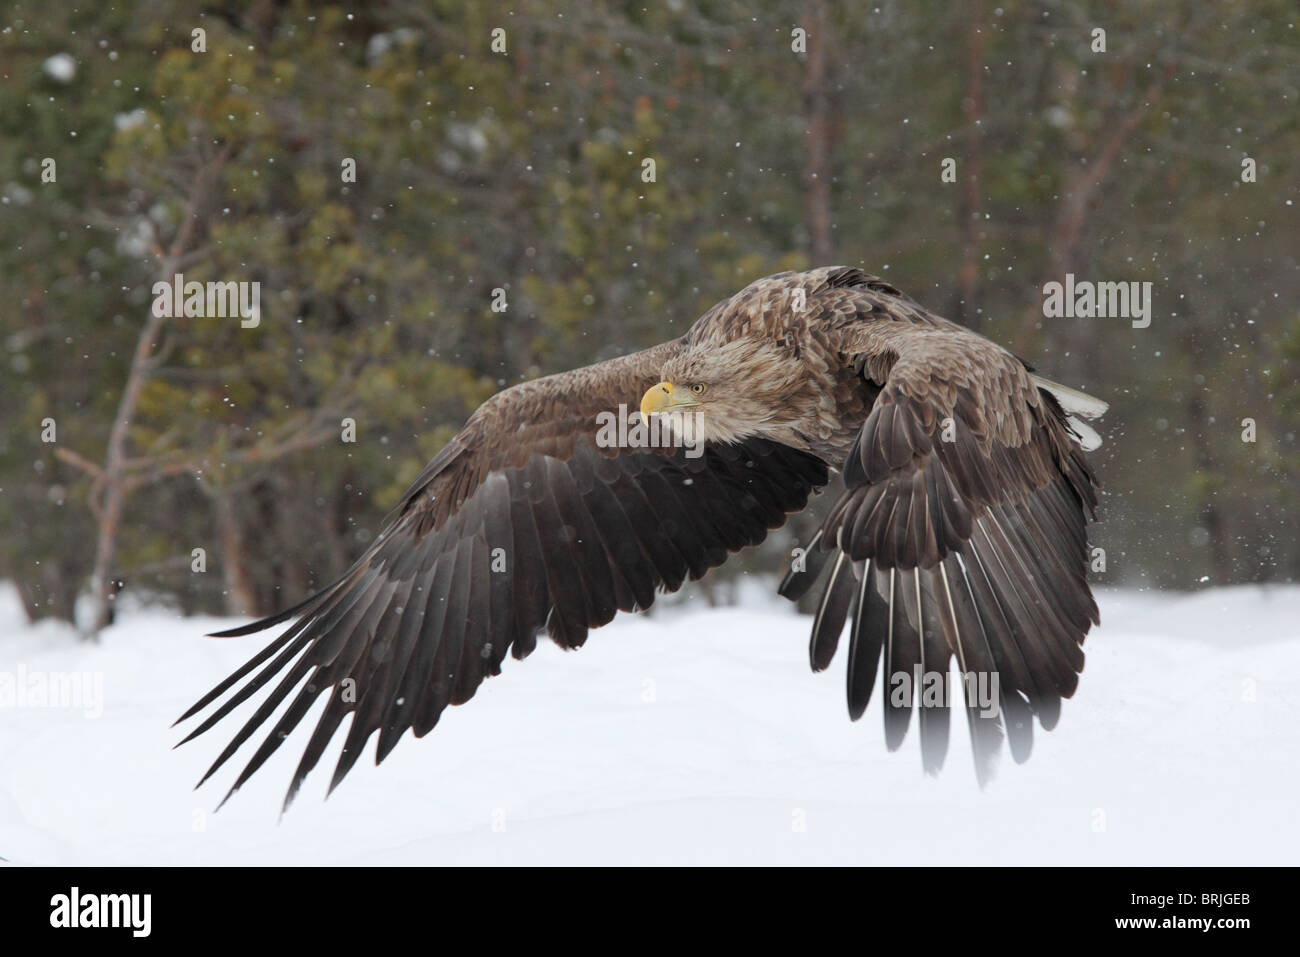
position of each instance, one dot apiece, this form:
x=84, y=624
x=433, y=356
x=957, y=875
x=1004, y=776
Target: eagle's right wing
x=961, y=532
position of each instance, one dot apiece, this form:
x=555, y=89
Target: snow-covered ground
x=696, y=736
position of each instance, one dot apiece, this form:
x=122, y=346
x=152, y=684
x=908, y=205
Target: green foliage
x=524, y=172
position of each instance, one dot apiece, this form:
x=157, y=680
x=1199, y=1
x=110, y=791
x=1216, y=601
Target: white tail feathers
x=1072, y=400
x=1087, y=435
x=1077, y=404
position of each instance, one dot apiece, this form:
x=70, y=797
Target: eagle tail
x=1072, y=400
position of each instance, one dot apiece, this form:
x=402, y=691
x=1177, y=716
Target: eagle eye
x=698, y=388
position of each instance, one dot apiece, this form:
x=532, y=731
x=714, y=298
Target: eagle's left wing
x=527, y=520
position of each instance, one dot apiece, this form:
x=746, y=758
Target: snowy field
x=695, y=736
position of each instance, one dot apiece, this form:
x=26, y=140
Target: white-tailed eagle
x=960, y=533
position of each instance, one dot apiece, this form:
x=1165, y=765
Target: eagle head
x=731, y=390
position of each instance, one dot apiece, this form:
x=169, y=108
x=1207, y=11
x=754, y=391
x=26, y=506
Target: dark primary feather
x=521, y=524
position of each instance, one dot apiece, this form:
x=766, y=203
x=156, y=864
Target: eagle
x=959, y=534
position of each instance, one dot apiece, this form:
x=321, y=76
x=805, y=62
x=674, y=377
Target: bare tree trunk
x=817, y=171
x=1208, y=471
x=1210, y=515
x=113, y=479
x=113, y=483
x=1077, y=362
x=240, y=593
x=973, y=110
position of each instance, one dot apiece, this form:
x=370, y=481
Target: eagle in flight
x=960, y=533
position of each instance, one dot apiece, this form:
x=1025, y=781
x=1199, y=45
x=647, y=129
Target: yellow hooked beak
x=659, y=398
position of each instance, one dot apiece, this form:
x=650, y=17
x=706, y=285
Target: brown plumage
x=961, y=531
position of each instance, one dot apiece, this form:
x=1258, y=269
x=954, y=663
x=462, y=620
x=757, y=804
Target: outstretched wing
x=961, y=532
x=525, y=521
